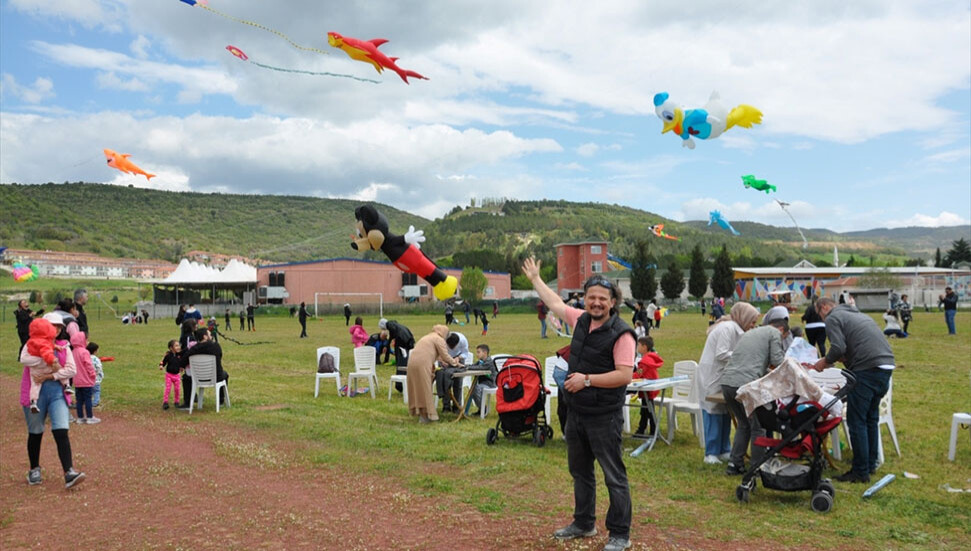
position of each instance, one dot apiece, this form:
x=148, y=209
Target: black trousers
x=817, y=337
x=598, y=437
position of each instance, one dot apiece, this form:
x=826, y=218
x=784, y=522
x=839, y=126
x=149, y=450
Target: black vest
x=592, y=353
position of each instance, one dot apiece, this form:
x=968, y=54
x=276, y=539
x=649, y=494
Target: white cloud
x=113, y=82
x=43, y=88
x=89, y=13
x=571, y=166
x=945, y=218
x=588, y=149
x=952, y=156
x=140, y=46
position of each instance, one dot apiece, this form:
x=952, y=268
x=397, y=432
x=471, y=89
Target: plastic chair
x=956, y=421
x=831, y=380
x=886, y=418
x=203, y=372
x=488, y=393
x=554, y=391
x=364, y=368
x=336, y=375
x=403, y=379
x=684, y=397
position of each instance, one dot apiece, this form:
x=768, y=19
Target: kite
x=658, y=230
x=205, y=5
x=404, y=251
x=706, y=123
x=22, y=272
x=241, y=55
x=715, y=217
x=749, y=181
x=121, y=162
x=367, y=51
x=784, y=205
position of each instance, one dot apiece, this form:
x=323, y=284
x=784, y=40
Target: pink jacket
x=359, y=335
x=82, y=359
x=68, y=370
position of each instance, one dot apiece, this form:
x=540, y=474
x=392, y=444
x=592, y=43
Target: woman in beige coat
x=421, y=372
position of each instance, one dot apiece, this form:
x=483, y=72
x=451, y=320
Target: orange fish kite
x=367, y=51
x=121, y=162
x=658, y=230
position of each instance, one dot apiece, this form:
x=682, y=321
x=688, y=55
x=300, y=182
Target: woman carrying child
x=50, y=402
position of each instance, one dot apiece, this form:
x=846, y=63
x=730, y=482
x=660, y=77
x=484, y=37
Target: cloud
x=367, y=160
x=112, y=66
x=89, y=13
x=588, y=149
x=140, y=46
x=43, y=88
x=943, y=219
x=952, y=156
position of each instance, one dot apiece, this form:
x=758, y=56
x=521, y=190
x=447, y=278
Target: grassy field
x=272, y=394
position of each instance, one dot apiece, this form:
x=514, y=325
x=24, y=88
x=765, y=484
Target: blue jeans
x=718, y=432
x=50, y=402
x=83, y=401
x=96, y=395
x=863, y=412
x=542, y=324
x=949, y=318
x=590, y=437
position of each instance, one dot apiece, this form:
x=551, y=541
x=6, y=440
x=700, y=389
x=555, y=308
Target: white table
x=647, y=385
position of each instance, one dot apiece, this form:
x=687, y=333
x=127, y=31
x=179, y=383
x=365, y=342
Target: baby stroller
x=520, y=400
x=794, y=462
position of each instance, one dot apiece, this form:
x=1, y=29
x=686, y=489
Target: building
x=339, y=280
x=922, y=284
x=576, y=262
x=89, y=265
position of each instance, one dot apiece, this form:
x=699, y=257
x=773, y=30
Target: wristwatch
x=586, y=381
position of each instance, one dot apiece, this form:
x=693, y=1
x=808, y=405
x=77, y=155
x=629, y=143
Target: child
x=242, y=320
x=84, y=379
x=485, y=323
x=173, y=364
x=99, y=374
x=41, y=347
x=657, y=318
x=484, y=361
x=647, y=368
x=639, y=330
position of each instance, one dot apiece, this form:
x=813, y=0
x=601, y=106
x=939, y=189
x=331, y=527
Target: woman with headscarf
x=719, y=345
x=421, y=372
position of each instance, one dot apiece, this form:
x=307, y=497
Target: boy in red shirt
x=647, y=368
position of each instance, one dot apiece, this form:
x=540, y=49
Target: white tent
x=193, y=273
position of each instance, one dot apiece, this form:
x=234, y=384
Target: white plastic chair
x=403, y=379
x=886, y=418
x=203, y=372
x=548, y=366
x=684, y=398
x=364, y=368
x=831, y=380
x=336, y=375
x=956, y=421
x=488, y=393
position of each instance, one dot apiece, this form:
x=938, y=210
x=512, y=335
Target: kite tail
x=404, y=74
x=149, y=176
x=744, y=116
x=768, y=187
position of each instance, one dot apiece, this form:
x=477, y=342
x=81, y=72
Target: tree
x=672, y=282
x=723, y=278
x=879, y=278
x=851, y=262
x=937, y=258
x=472, y=284
x=697, y=278
x=643, y=273
x=960, y=251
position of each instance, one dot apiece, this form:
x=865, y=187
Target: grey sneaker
x=93, y=420
x=72, y=478
x=617, y=544
x=33, y=476
x=573, y=531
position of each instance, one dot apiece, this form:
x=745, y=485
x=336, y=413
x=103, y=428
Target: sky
x=866, y=104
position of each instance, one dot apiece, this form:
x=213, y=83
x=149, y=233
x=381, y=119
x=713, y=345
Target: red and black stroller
x=520, y=400
x=794, y=461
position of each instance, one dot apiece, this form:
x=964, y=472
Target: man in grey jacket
x=757, y=351
x=857, y=341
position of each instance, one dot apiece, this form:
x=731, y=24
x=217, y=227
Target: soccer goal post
x=334, y=302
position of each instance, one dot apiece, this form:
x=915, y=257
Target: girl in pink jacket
x=84, y=379
x=359, y=335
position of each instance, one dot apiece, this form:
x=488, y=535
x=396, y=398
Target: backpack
x=326, y=363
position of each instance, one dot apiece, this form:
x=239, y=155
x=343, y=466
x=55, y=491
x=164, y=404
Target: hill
x=135, y=222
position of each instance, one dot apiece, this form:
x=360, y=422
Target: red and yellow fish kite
x=658, y=230
x=367, y=51
x=121, y=162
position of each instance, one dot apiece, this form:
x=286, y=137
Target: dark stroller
x=802, y=427
x=520, y=400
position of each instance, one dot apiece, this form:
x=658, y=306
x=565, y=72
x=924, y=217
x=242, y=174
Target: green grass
x=671, y=486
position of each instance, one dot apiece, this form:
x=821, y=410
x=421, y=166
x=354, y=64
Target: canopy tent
x=191, y=281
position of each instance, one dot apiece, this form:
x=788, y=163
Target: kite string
x=265, y=28
x=282, y=70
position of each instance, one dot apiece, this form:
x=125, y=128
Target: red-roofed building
x=575, y=262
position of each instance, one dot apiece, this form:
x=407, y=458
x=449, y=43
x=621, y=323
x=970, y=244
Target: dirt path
x=162, y=483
